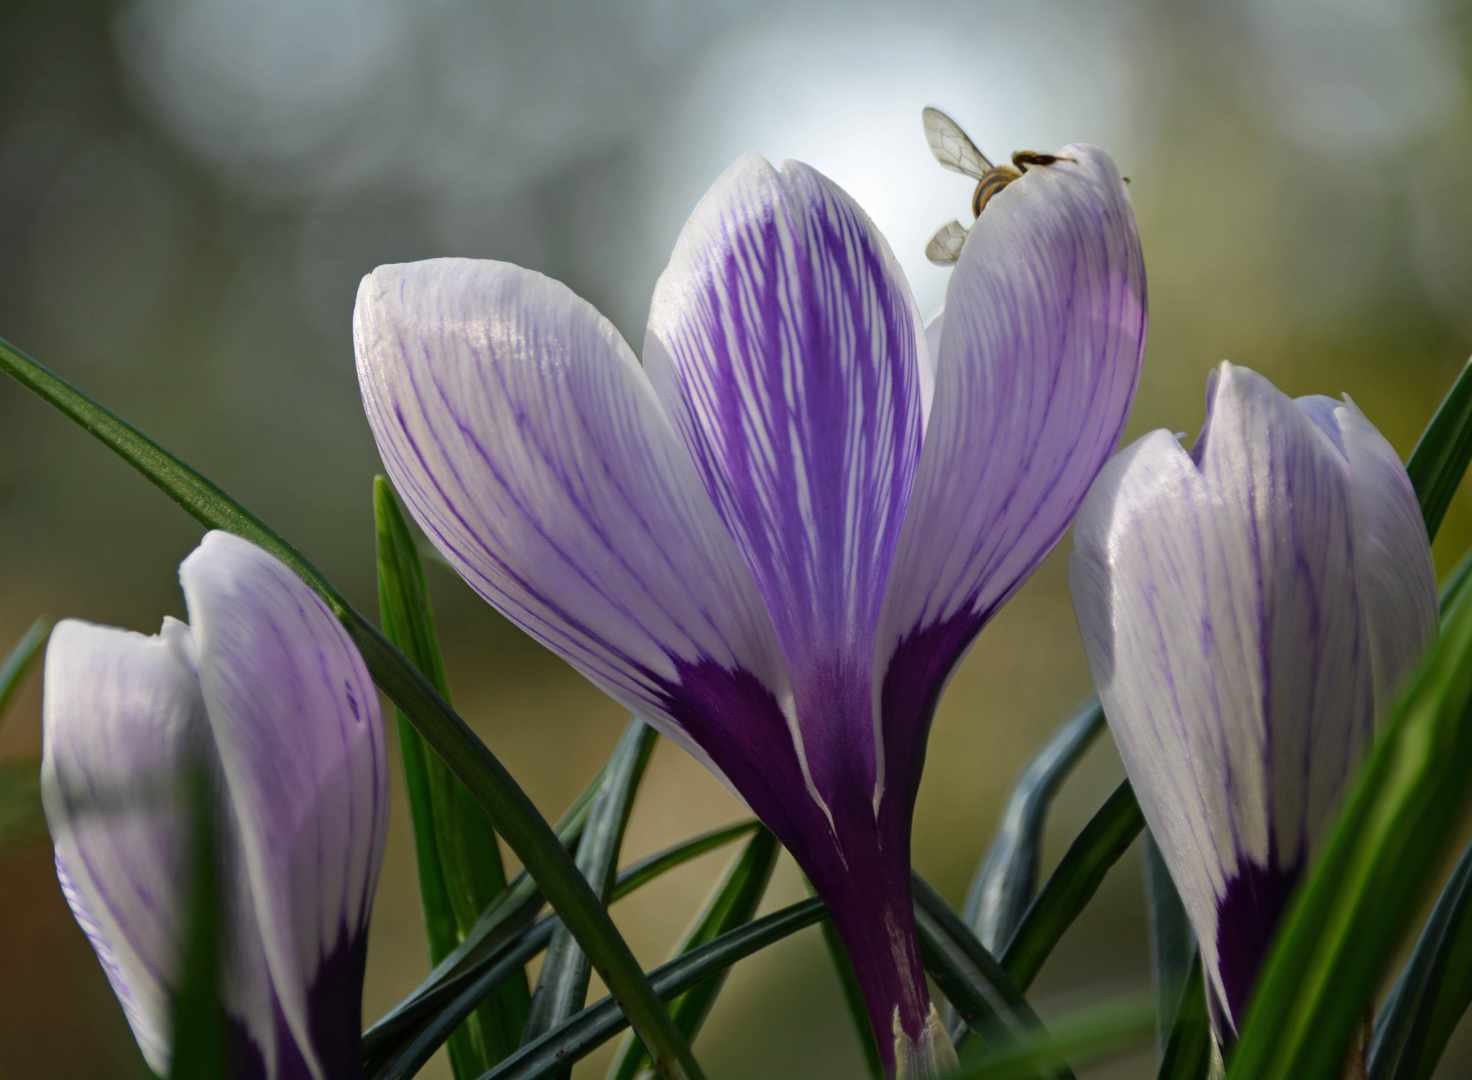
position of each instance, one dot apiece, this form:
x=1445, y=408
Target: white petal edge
x=296, y=721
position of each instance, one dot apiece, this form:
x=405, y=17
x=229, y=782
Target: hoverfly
x=953, y=149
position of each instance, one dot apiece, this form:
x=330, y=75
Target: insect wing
x=951, y=146
x=945, y=246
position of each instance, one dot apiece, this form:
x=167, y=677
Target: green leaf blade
x=733, y=904
x=1439, y=461
x=200, y=1050
x=1433, y=990
x=1187, y=1051
x=504, y=940
x=459, y=859
x=1092, y=1033
x=562, y=987
x=1173, y=951
x=595, y=1025
x=1324, y=965
x=19, y=660
x=971, y=978
x=1008, y=876
x=1073, y=884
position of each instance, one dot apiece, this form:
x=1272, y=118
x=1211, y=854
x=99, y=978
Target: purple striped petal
x=1226, y=626
x=1392, y=551
x=526, y=440
x=124, y=724
x=784, y=343
x=1038, y=360
x=121, y=712
x=296, y=723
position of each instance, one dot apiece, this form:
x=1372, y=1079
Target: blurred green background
x=190, y=191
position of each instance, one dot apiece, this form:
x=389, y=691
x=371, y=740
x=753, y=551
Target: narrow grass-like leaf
x=21, y=816
x=1172, y=944
x=1008, y=877
x=853, y=995
x=420, y=1021
x=1187, y=1051
x=646, y=870
x=1103, y=840
x=459, y=860
x=200, y=1050
x=1346, y=919
x=1433, y=990
x=967, y=973
x=405, y=1056
x=1388, y=1054
x=734, y=903
x=1440, y=459
x=1087, y=1034
x=562, y=988
x=1456, y=583
x=500, y=924
x=598, y=1023
x=15, y=665
x=498, y=794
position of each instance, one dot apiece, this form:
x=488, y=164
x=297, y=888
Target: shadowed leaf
x=459, y=861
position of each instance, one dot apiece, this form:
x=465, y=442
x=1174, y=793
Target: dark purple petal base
x=1247, y=917
x=860, y=867
x=335, y=1001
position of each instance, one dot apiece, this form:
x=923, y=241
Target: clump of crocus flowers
x=773, y=537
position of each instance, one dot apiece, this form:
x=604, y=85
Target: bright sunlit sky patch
x=576, y=138
x=845, y=96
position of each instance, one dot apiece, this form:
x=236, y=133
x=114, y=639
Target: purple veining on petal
x=784, y=342
x=1044, y=332
x=1247, y=918
x=1223, y=615
x=525, y=439
x=860, y=868
x=305, y=776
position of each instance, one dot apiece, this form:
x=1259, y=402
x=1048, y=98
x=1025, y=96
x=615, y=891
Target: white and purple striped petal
x=123, y=718
x=527, y=442
x=125, y=726
x=1039, y=355
x=296, y=723
x=1392, y=551
x=785, y=346
x=265, y=693
x=1231, y=633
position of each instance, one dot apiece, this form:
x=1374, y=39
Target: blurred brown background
x=191, y=189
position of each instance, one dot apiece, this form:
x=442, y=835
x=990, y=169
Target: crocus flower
x=265, y=693
x=775, y=538
x=1247, y=610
